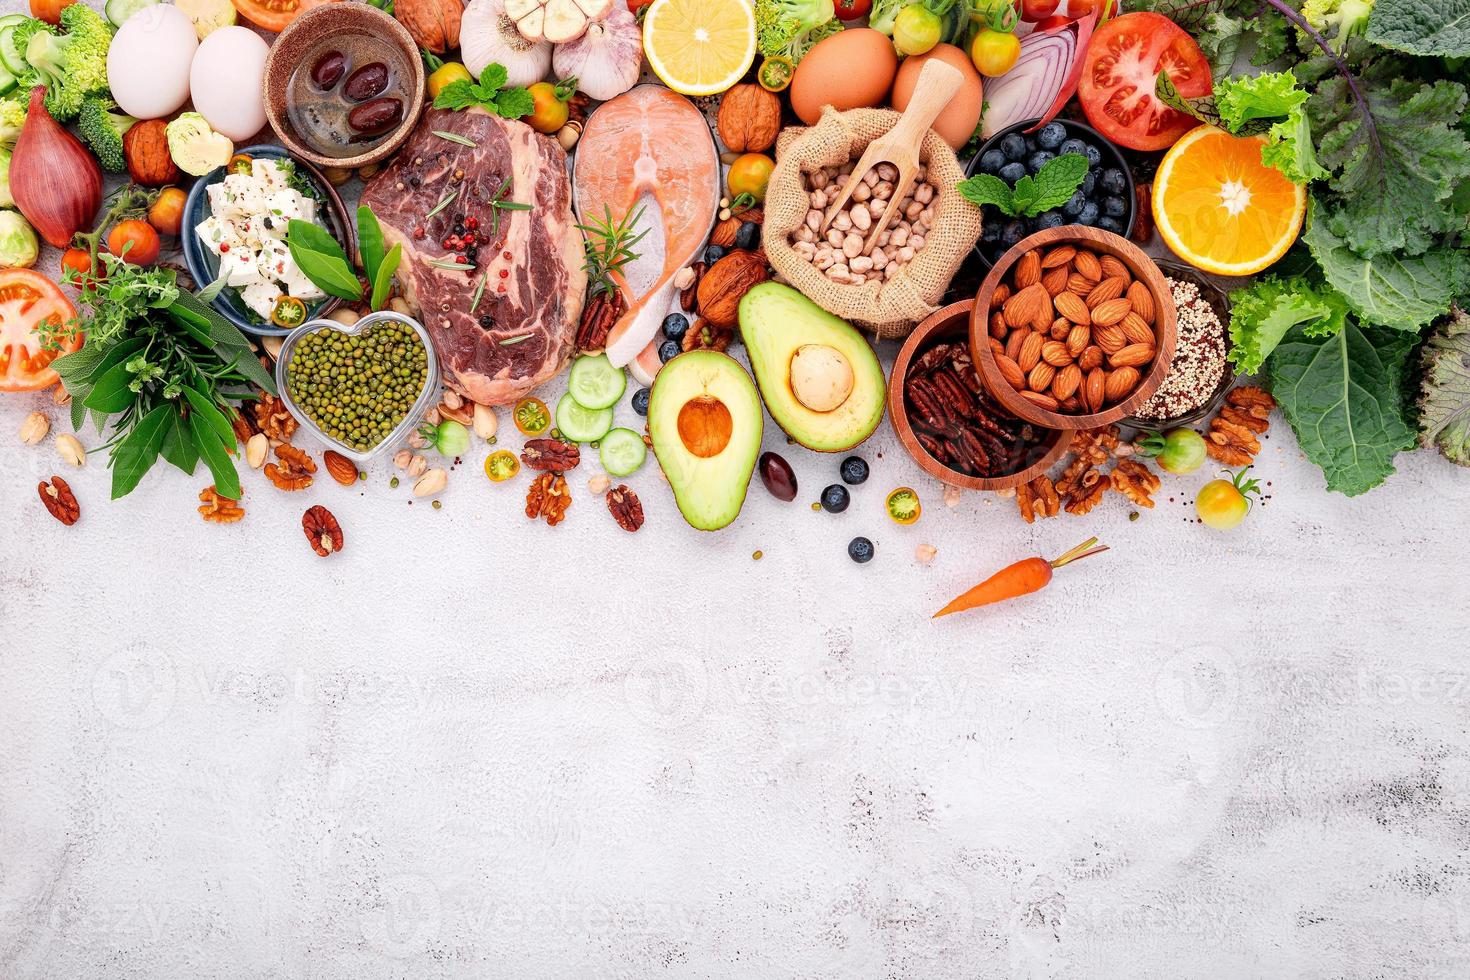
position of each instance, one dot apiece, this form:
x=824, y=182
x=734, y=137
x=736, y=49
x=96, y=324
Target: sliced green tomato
x=288, y=312
x=903, y=506
x=775, y=74
x=582, y=424
x=501, y=465
x=622, y=452
x=118, y=11
x=595, y=383
x=531, y=416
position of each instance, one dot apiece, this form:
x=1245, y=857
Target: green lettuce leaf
x=1421, y=27
x=1444, y=396
x=1263, y=312
x=1344, y=398
x=1272, y=105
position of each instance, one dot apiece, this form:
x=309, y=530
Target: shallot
x=606, y=60
x=56, y=183
x=488, y=36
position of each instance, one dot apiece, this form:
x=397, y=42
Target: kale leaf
x=1419, y=27
x=1444, y=398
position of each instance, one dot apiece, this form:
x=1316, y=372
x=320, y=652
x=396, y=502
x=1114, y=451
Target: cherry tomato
x=915, y=30
x=1223, y=504
x=134, y=241
x=749, y=174
x=239, y=164
x=446, y=74
x=775, y=74
x=994, y=52
x=550, y=112
x=903, y=506
x=49, y=10
x=167, y=213
x=1035, y=10
x=288, y=312
x=78, y=261
x=30, y=302
x=501, y=465
x=1179, y=451
x=853, y=9
x=531, y=416
x=1120, y=72
x=634, y=6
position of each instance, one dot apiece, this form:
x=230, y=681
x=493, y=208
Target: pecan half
x=294, y=470
x=549, y=498
x=625, y=507
x=217, y=509
x=60, y=502
x=598, y=317
x=551, y=454
x=322, y=530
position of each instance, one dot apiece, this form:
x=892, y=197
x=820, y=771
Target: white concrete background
x=472, y=745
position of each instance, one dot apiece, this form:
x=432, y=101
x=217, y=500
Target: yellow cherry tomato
x=531, y=416
x=450, y=71
x=749, y=174
x=550, y=112
x=903, y=506
x=1223, y=504
x=995, y=52
x=501, y=465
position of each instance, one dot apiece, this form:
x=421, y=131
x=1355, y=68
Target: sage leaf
x=135, y=455
x=111, y=393
x=322, y=260
x=206, y=442
x=178, y=447
x=204, y=407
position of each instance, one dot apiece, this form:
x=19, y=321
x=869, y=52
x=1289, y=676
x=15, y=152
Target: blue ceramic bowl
x=204, y=265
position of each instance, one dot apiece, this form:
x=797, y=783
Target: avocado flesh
x=819, y=377
x=704, y=419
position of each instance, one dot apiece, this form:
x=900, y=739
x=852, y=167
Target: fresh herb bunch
x=163, y=369
x=489, y=93
x=1053, y=185
x=609, y=247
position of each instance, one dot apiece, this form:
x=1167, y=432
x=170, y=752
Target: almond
x=1142, y=302
x=1111, y=265
x=256, y=448
x=1061, y=328
x=1030, y=353
x=998, y=326
x=1012, y=372
x=1108, y=313
x=1025, y=307
x=1046, y=402
x=1071, y=306
x=1080, y=284
x=1120, y=384
x=1106, y=290
x=1055, y=353
x=1014, y=342
x=1136, y=330
x=1040, y=377
x=1110, y=339
x=1054, y=281
x=1065, y=384
x=1071, y=405
x=1001, y=294
x=1093, y=389
x=1077, y=340
x=1091, y=357
x=1087, y=264
x=1058, y=257
x=1132, y=356
x=1028, y=270
x=996, y=347
x=343, y=470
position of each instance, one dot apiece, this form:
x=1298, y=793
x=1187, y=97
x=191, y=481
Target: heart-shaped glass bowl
x=426, y=399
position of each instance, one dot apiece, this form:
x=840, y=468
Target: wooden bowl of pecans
x=949, y=424
x=1073, y=328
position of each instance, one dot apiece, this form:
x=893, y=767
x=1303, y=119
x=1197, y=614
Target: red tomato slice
x=274, y=15
x=1121, y=69
x=27, y=300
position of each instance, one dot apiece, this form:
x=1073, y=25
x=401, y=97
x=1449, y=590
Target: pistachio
x=432, y=482
x=256, y=448
x=951, y=496
x=272, y=346
x=402, y=458
x=486, y=422
x=598, y=483
x=34, y=428
x=344, y=315
x=925, y=553
x=368, y=172
x=417, y=466
x=400, y=305
x=433, y=416
x=71, y=450
x=452, y=400
x=60, y=396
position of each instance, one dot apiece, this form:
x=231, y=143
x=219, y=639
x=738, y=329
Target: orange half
x=1220, y=208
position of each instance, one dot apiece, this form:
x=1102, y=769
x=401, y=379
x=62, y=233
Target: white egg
x=148, y=63
x=227, y=81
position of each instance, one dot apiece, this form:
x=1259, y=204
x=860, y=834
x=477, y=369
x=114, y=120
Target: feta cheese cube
x=273, y=257
x=260, y=297
x=269, y=173
x=239, y=267
x=288, y=204
x=211, y=232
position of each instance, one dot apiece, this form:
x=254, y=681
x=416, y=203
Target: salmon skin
x=659, y=138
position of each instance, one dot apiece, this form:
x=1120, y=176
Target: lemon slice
x=699, y=47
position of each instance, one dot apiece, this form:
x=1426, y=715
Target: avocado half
x=704, y=419
x=819, y=377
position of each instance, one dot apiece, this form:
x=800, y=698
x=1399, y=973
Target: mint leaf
x=983, y=189
x=1444, y=398
x=1053, y=185
x=457, y=95
x=494, y=77
x=1263, y=312
x=1419, y=27
x=513, y=103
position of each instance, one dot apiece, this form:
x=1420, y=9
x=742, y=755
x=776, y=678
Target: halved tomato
x=1120, y=72
x=274, y=15
x=28, y=300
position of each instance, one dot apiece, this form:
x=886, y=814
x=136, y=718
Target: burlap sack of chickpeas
x=890, y=308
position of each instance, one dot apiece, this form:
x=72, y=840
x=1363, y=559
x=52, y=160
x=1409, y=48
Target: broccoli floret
x=789, y=28
x=103, y=131
x=1338, y=20
x=72, y=65
x=12, y=118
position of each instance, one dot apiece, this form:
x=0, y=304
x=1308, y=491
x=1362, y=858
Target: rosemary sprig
x=450, y=265
x=498, y=203
x=444, y=202
x=479, y=291
x=609, y=247
x=453, y=137
x=518, y=338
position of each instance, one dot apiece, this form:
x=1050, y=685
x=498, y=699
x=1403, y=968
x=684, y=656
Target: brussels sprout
x=195, y=147
x=18, y=245
x=6, y=200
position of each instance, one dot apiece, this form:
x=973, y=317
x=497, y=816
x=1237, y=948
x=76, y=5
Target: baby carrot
x=1024, y=577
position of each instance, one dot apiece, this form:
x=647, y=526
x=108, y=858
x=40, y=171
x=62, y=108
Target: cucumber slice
x=118, y=11
x=7, y=82
x=582, y=424
x=595, y=383
x=622, y=452
x=10, y=55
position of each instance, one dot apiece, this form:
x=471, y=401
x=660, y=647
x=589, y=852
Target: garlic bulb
x=488, y=36
x=606, y=60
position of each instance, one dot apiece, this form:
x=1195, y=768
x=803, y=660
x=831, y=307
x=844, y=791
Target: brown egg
x=956, y=123
x=849, y=70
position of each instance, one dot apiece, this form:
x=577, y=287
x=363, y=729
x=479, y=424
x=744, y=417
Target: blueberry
x=640, y=401
x=1012, y=172
x=1075, y=204
x=1113, y=181
x=1088, y=216
x=835, y=499
x=1013, y=146
x=1072, y=145
x=1050, y=136
x=1093, y=154
x=991, y=161
x=1110, y=224
x=668, y=350
x=1012, y=233
x=990, y=231
x=1039, y=159
x=1052, y=219
x=1089, y=183
x=860, y=550
x=713, y=254
x=854, y=470
x=748, y=236
x=1114, y=207
x=676, y=325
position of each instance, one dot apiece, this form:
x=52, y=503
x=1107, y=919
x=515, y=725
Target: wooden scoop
x=938, y=82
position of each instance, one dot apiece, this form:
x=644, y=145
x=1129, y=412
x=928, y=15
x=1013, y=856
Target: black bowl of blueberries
x=1104, y=200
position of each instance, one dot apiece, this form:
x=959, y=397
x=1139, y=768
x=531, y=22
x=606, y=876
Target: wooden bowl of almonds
x=1073, y=328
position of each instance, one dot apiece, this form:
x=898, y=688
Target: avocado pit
x=705, y=426
x=821, y=377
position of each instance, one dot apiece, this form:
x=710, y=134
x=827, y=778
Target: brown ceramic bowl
x=1143, y=269
x=952, y=323
x=290, y=52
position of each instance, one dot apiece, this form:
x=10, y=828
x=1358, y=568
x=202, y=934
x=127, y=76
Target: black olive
x=328, y=69
x=368, y=81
